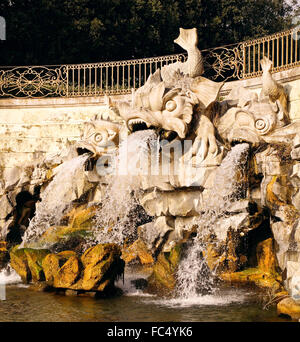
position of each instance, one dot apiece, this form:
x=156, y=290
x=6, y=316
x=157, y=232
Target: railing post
x=67, y=80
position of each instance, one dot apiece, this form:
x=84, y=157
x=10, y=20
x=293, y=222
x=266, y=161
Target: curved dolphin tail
x=188, y=40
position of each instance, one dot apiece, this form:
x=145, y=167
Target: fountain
x=180, y=183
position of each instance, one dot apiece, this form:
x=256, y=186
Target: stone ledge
x=54, y=102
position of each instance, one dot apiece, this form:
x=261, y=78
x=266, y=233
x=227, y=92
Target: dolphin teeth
x=137, y=121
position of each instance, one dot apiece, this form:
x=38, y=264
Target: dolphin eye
x=171, y=105
x=98, y=137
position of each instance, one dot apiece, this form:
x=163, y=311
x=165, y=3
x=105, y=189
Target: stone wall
x=33, y=128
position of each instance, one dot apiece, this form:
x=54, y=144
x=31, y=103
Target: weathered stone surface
x=172, y=203
x=253, y=276
x=102, y=265
x=82, y=217
x=95, y=254
x=5, y=206
x=282, y=228
x=265, y=274
x=11, y=177
x=289, y=307
x=95, y=270
x=184, y=226
x=35, y=259
x=154, y=233
x=79, y=222
x=293, y=279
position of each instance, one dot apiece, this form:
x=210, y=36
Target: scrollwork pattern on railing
x=33, y=81
x=224, y=63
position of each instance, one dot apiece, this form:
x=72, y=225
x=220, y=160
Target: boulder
x=27, y=262
x=102, y=266
x=67, y=275
x=52, y=263
x=95, y=270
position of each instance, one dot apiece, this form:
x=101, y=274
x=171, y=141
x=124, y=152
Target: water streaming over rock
x=193, y=275
x=56, y=198
x=115, y=220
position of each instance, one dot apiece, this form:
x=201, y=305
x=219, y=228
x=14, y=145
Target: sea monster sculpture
x=175, y=99
x=274, y=90
x=179, y=104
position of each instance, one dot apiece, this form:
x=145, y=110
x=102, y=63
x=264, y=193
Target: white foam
x=9, y=276
x=205, y=300
x=127, y=284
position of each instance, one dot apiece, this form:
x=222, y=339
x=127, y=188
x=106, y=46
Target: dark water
x=23, y=304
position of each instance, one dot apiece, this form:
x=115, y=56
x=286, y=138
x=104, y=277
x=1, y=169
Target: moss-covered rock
x=102, y=265
x=27, y=262
x=254, y=276
x=163, y=278
x=82, y=217
x=76, y=227
x=97, y=269
x=137, y=251
x=53, y=262
x=68, y=274
x=35, y=259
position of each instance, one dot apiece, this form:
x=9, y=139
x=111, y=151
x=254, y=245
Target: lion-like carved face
x=168, y=110
x=168, y=106
x=99, y=136
x=154, y=105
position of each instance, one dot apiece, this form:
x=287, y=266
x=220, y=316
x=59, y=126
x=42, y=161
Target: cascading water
x=115, y=221
x=55, y=199
x=193, y=275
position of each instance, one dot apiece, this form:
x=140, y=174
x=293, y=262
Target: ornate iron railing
x=232, y=62
x=282, y=48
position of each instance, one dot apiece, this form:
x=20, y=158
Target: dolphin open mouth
x=137, y=124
